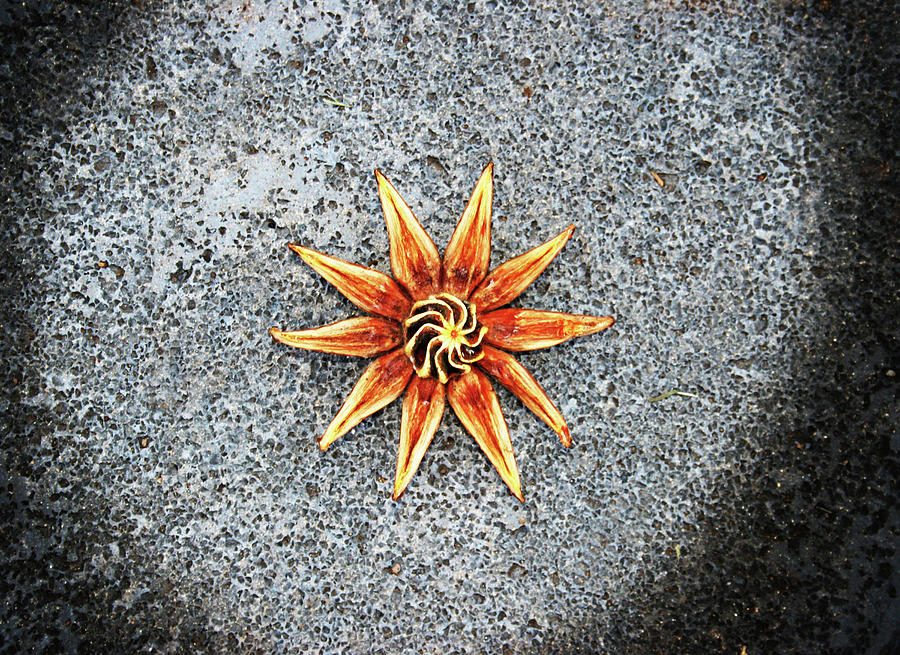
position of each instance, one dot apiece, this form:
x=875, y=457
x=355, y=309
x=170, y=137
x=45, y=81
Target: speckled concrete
x=162, y=488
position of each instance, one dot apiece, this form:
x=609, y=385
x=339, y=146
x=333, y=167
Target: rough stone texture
x=161, y=486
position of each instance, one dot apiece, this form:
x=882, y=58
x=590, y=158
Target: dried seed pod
x=442, y=337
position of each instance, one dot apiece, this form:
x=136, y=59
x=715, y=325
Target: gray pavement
x=731, y=171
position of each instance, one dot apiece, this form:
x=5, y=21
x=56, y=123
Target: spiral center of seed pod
x=442, y=337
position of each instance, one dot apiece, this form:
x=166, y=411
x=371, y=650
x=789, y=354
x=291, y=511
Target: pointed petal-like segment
x=362, y=336
x=379, y=386
x=423, y=407
x=473, y=400
x=468, y=254
x=530, y=329
x=368, y=289
x=511, y=278
x=512, y=375
x=414, y=257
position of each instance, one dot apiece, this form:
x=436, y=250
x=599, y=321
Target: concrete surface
x=162, y=489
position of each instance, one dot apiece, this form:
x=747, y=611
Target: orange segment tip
x=381, y=383
x=530, y=329
x=362, y=336
x=475, y=404
x=415, y=261
x=370, y=290
x=504, y=368
x=511, y=278
x=423, y=407
x=468, y=254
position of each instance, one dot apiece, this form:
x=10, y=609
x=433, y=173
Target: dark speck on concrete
x=158, y=107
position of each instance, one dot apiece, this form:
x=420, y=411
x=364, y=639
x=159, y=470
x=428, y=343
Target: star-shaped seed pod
x=439, y=328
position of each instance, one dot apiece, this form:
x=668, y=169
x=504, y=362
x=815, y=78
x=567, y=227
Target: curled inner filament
x=441, y=337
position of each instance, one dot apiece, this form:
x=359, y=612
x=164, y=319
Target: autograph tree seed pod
x=439, y=330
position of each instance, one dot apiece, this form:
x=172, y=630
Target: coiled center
x=442, y=338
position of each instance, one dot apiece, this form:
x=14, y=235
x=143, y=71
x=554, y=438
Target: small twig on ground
x=334, y=102
x=670, y=393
